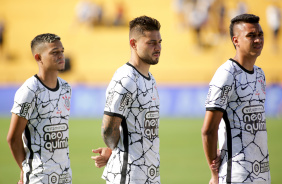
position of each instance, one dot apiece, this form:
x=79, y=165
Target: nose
x=61, y=55
x=258, y=39
x=158, y=47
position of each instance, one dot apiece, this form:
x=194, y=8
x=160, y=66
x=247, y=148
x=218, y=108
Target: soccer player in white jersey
x=235, y=113
x=39, y=131
x=130, y=125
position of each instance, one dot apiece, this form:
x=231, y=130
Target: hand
x=216, y=162
x=214, y=180
x=102, y=159
x=21, y=178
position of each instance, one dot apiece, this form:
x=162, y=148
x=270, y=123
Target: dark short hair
x=245, y=18
x=144, y=23
x=43, y=38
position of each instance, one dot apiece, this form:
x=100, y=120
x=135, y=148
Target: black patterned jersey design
x=47, y=132
x=135, y=99
x=242, y=136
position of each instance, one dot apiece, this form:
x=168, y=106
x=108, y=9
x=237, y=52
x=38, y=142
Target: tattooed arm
x=110, y=130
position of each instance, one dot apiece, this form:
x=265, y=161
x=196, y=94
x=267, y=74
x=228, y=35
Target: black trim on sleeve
x=125, y=155
x=148, y=78
x=29, y=162
x=215, y=109
x=229, y=147
x=113, y=114
x=248, y=71
x=51, y=89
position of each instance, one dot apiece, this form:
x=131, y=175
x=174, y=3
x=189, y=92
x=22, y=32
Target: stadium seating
x=96, y=52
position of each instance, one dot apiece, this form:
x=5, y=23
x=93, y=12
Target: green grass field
x=182, y=157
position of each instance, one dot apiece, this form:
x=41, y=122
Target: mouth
x=157, y=54
x=61, y=62
x=257, y=47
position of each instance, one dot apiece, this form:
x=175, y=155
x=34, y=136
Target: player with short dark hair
x=39, y=131
x=235, y=111
x=130, y=125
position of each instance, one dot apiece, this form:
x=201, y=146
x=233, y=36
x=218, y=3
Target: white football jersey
x=47, y=132
x=134, y=98
x=242, y=136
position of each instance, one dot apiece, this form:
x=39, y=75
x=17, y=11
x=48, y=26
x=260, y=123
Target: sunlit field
x=182, y=157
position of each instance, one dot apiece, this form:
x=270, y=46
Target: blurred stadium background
x=96, y=46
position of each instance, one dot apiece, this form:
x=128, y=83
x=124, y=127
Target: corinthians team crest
x=67, y=102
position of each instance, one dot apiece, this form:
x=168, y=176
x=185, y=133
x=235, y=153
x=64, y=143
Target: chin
x=61, y=69
x=154, y=63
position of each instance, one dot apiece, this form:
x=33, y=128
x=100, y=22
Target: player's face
x=149, y=47
x=250, y=39
x=52, y=56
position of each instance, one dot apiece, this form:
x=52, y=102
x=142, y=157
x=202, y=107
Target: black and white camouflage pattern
x=135, y=99
x=47, y=132
x=242, y=135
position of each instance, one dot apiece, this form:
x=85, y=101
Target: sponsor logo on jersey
x=67, y=102
x=153, y=172
x=224, y=94
x=53, y=137
x=244, y=87
x=151, y=128
x=24, y=109
x=260, y=167
x=54, y=178
x=125, y=101
x=43, y=106
x=253, y=117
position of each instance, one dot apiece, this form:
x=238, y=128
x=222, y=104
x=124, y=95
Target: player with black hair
x=235, y=111
x=39, y=131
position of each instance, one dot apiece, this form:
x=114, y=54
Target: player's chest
x=53, y=104
x=147, y=97
x=250, y=89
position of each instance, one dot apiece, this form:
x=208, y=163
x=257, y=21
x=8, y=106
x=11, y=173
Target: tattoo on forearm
x=110, y=131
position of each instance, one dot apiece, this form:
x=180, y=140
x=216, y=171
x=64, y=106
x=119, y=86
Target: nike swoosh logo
x=43, y=106
x=243, y=88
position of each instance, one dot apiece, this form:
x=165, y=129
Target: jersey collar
x=148, y=78
x=51, y=89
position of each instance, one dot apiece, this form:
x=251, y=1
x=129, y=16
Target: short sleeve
x=120, y=94
x=221, y=88
x=24, y=102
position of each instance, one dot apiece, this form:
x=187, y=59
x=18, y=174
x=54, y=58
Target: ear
x=235, y=41
x=37, y=57
x=132, y=43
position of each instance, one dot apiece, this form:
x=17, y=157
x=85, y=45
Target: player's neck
x=246, y=62
x=49, y=79
x=142, y=67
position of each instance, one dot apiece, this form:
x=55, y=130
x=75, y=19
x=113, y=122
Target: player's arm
x=110, y=130
x=14, y=138
x=209, y=139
